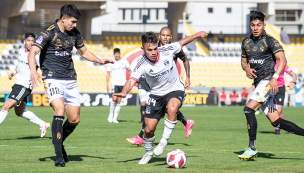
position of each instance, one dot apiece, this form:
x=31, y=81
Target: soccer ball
x=176, y=158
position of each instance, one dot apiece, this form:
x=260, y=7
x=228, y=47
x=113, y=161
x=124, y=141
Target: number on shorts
x=54, y=90
x=150, y=100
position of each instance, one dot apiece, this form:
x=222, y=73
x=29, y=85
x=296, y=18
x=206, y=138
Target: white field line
x=132, y=148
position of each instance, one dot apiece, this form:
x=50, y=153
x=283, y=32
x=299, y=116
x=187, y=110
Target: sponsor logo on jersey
x=162, y=73
x=258, y=94
x=39, y=40
x=66, y=43
x=162, y=49
x=256, y=61
x=254, y=49
x=64, y=53
x=262, y=48
x=150, y=71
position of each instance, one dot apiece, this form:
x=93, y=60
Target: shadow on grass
x=71, y=158
x=155, y=159
x=267, y=156
x=28, y=137
x=156, y=143
x=267, y=132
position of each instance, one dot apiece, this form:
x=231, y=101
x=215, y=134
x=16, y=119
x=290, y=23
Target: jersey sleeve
x=177, y=47
x=244, y=55
x=127, y=64
x=37, y=57
x=287, y=69
x=43, y=38
x=109, y=67
x=275, y=46
x=79, y=40
x=181, y=55
x=137, y=73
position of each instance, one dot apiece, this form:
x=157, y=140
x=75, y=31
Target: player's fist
x=202, y=34
x=105, y=61
x=11, y=75
x=250, y=73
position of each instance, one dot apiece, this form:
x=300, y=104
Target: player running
x=56, y=43
x=280, y=96
x=165, y=37
x=23, y=88
x=118, y=79
x=261, y=51
x=167, y=90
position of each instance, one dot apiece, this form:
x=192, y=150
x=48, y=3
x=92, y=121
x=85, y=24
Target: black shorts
x=156, y=105
x=280, y=96
x=117, y=89
x=20, y=93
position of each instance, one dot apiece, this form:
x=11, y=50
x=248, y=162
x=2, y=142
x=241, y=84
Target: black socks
x=288, y=126
x=68, y=128
x=181, y=117
x=252, y=126
x=57, y=131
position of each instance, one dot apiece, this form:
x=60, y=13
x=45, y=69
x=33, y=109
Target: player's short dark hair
x=149, y=37
x=257, y=15
x=116, y=50
x=29, y=34
x=70, y=10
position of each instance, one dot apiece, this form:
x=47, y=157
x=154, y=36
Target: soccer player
x=167, y=90
x=165, y=37
x=118, y=79
x=56, y=43
x=280, y=96
x=23, y=88
x=261, y=51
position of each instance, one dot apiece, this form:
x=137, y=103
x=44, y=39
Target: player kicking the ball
x=23, y=88
x=56, y=43
x=167, y=90
x=261, y=51
x=165, y=37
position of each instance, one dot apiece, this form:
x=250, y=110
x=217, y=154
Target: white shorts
x=66, y=89
x=262, y=94
x=143, y=95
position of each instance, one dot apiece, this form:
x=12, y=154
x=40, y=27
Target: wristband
x=276, y=76
x=295, y=83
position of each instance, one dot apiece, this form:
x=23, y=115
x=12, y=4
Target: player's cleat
x=188, y=128
x=115, y=121
x=110, y=119
x=60, y=162
x=65, y=155
x=145, y=159
x=277, y=132
x=249, y=153
x=135, y=140
x=44, y=129
x=158, y=151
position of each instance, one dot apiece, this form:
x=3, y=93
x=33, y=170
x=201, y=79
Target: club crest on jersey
x=39, y=40
x=166, y=62
x=135, y=70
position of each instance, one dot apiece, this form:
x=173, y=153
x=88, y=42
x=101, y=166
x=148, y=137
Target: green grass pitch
x=218, y=137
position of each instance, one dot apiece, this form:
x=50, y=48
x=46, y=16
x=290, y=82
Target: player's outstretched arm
x=85, y=53
x=187, y=40
x=126, y=89
x=32, y=63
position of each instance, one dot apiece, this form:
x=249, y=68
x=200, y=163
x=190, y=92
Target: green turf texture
x=218, y=137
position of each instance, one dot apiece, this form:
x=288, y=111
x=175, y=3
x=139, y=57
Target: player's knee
x=276, y=123
x=248, y=110
x=59, y=112
x=172, y=109
x=75, y=122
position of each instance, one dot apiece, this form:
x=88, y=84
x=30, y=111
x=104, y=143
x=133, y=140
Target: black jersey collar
x=56, y=25
x=264, y=33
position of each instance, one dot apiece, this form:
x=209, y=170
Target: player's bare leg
x=149, y=138
x=57, y=129
x=173, y=105
x=21, y=111
x=8, y=104
x=280, y=109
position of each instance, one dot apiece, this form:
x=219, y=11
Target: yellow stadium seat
x=298, y=39
x=300, y=70
x=232, y=39
x=292, y=39
x=124, y=38
x=7, y=41
x=238, y=39
x=107, y=38
x=226, y=39
x=134, y=38
x=215, y=39
x=112, y=38
x=13, y=41
x=118, y=38
x=2, y=41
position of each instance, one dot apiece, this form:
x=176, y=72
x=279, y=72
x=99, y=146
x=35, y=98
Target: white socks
x=169, y=126
x=32, y=118
x=3, y=115
x=148, y=143
x=116, y=112
x=112, y=106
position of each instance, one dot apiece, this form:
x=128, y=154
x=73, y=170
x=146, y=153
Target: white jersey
x=23, y=76
x=118, y=70
x=161, y=75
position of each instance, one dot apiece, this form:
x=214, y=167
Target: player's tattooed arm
x=249, y=72
x=85, y=53
x=187, y=40
x=126, y=89
x=187, y=69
